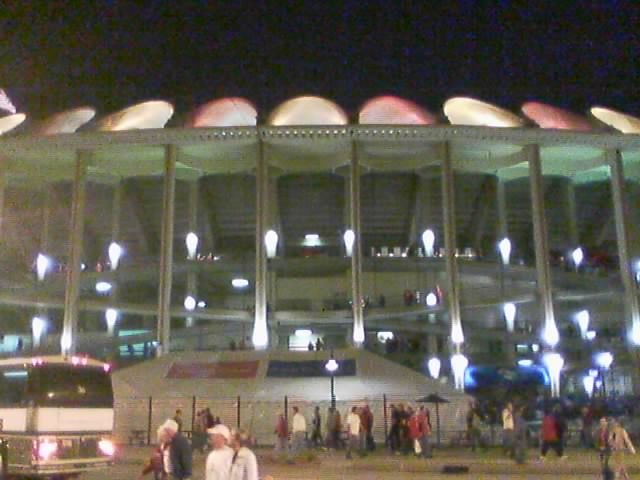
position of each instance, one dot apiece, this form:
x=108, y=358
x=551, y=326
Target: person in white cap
x=218, y=466
x=178, y=461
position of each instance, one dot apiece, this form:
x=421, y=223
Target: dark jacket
x=180, y=455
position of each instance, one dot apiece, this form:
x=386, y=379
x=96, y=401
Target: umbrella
x=436, y=400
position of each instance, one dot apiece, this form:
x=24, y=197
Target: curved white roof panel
x=469, y=111
x=548, y=116
x=307, y=111
x=390, y=110
x=66, y=122
x=11, y=121
x=152, y=114
x=620, y=121
x=224, y=112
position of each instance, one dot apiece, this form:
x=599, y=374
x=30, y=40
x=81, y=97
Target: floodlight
x=114, y=252
x=428, y=241
x=349, y=238
x=271, y=243
x=191, y=241
x=509, y=310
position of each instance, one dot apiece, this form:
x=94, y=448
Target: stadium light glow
x=191, y=241
x=457, y=336
x=509, y=310
x=504, y=247
x=42, y=266
x=604, y=360
x=189, y=303
x=582, y=318
x=459, y=364
x=103, y=287
x=38, y=327
x=577, y=256
x=550, y=334
x=554, y=363
x=111, y=316
x=114, y=252
x=434, y=365
x=271, y=243
x=349, y=238
x=428, y=241
x=240, y=283
x=431, y=299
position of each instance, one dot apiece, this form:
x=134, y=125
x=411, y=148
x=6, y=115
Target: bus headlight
x=107, y=447
x=47, y=449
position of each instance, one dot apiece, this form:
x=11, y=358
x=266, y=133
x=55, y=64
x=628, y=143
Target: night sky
x=56, y=55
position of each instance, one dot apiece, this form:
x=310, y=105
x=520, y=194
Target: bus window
x=13, y=383
x=70, y=386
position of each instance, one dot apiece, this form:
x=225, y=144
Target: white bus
x=56, y=415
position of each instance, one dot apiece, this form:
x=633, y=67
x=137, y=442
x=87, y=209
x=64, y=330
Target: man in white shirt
x=218, y=466
x=508, y=429
x=298, y=431
x=353, y=429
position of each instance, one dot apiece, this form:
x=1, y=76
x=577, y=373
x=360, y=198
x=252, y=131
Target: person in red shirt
x=424, y=417
x=550, y=436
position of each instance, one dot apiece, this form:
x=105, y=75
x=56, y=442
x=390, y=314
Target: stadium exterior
x=308, y=226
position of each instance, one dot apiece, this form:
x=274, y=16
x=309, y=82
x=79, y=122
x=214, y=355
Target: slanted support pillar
x=550, y=333
x=358, y=335
x=572, y=218
x=192, y=226
x=68, y=339
x=260, y=337
x=166, y=251
x=449, y=225
x=620, y=208
x=501, y=202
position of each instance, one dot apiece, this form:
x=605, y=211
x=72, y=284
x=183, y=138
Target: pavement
x=319, y=464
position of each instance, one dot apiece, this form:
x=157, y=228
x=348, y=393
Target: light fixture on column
x=582, y=319
x=509, y=310
x=111, y=316
x=457, y=336
x=271, y=243
x=431, y=299
x=38, y=327
x=604, y=360
x=358, y=335
x=428, y=241
x=114, y=252
x=434, y=367
x=349, y=238
x=459, y=364
x=239, y=283
x=42, y=266
x=550, y=334
x=588, y=382
x=504, y=247
x=577, y=256
x=103, y=288
x=65, y=343
x=191, y=241
x=189, y=303
x=554, y=363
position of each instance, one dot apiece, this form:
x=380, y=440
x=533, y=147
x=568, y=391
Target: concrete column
x=620, y=208
x=46, y=219
x=501, y=202
x=68, y=340
x=572, y=218
x=116, y=209
x=543, y=272
x=358, y=336
x=449, y=226
x=192, y=226
x=260, y=337
x=166, y=251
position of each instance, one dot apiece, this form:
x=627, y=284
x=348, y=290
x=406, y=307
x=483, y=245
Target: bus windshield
x=55, y=385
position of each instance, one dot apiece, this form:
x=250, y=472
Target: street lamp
x=115, y=252
x=577, y=256
x=582, y=318
x=271, y=243
x=554, y=363
x=434, y=367
x=459, y=364
x=111, y=316
x=504, y=246
x=509, y=310
x=349, y=238
x=42, y=266
x=332, y=366
x=38, y=326
x=191, y=240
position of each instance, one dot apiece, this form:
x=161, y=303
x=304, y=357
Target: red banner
x=213, y=370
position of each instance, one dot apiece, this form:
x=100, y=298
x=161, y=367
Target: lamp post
x=332, y=366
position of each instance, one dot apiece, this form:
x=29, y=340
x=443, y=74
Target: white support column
x=68, y=340
x=620, y=208
x=572, y=217
x=543, y=272
x=46, y=220
x=501, y=202
x=192, y=226
x=449, y=226
x=116, y=208
x=356, y=258
x=163, y=334
x=260, y=337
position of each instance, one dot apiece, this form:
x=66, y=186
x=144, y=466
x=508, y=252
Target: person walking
x=282, y=433
x=601, y=437
x=620, y=443
x=177, y=458
x=199, y=435
x=473, y=428
x=218, y=464
x=424, y=418
x=508, y=427
x=316, y=432
x=244, y=465
x=178, y=419
x=550, y=436
x=155, y=463
x=520, y=431
x=298, y=432
x=353, y=430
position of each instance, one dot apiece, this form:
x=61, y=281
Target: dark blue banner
x=310, y=368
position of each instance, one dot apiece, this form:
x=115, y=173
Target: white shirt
x=507, y=419
x=299, y=423
x=353, y=422
x=245, y=465
x=166, y=459
x=218, y=464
